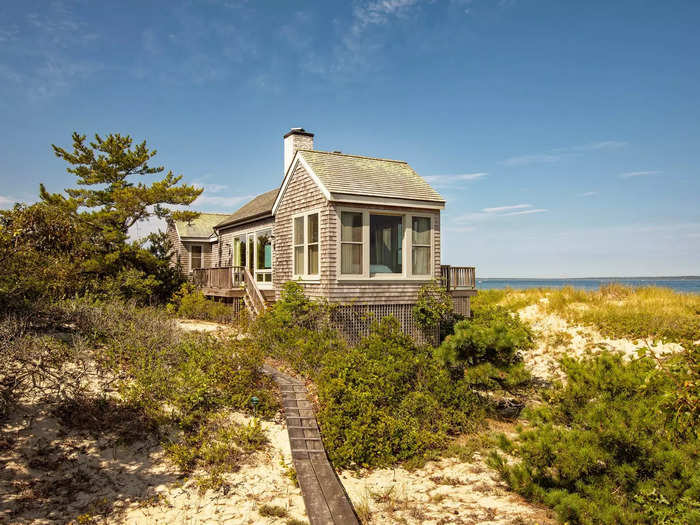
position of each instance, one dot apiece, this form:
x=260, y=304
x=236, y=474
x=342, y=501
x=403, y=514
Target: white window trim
x=256, y=270
x=306, y=276
x=201, y=247
x=406, y=247
x=229, y=238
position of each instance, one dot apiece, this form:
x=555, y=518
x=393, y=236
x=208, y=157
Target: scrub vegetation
x=616, y=310
x=87, y=329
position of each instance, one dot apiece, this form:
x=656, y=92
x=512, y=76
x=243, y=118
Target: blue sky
x=564, y=135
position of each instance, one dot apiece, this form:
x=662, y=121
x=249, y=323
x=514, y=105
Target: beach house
x=360, y=231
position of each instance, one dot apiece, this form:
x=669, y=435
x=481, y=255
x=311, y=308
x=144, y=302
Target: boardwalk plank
x=324, y=496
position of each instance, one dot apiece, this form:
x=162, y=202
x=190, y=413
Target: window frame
x=430, y=245
x=201, y=255
x=306, y=276
x=406, y=246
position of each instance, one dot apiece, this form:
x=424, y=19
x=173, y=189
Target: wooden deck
x=325, y=498
x=232, y=281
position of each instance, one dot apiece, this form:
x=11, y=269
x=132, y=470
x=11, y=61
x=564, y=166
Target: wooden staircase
x=252, y=296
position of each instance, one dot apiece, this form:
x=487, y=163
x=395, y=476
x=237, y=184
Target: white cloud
x=557, y=154
x=506, y=208
x=630, y=174
x=219, y=203
x=450, y=179
x=526, y=160
x=210, y=188
x=6, y=201
x=588, y=194
x=595, y=146
x=524, y=212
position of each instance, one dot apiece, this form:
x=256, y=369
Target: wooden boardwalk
x=324, y=496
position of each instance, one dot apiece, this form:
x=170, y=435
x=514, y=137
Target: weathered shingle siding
x=178, y=252
x=301, y=195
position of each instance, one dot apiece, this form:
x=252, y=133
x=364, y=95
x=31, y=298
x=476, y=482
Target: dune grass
x=616, y=310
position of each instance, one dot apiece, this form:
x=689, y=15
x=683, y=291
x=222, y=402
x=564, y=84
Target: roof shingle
x=258, y=207
x=356, y=175
x=201, y=227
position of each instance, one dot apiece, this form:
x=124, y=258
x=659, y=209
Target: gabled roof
x=200, y=228
x=341, y=176
x=258, y=208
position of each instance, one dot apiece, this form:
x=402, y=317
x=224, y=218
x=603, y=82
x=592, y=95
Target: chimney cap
x=298, y=131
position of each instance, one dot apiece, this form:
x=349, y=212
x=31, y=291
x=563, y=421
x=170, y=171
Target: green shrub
x=493, y=335
x=606, y=448
x=297, y=330
x=388, y=400
x=433, y=306
x=189, y=302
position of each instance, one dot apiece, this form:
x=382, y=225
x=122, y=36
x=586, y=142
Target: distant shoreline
x=684, y=284
x=633, y=277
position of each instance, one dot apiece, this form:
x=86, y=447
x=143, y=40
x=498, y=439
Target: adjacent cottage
x=360, y=231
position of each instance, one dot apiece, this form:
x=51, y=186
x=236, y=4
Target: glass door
x=263, y=256
x=250, y=253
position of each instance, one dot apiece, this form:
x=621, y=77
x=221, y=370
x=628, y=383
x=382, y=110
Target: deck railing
x=223, y=278
x=253, y=293
x=458, y=277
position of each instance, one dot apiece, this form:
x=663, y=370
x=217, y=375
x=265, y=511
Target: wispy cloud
x=526, y=160
x=219, y=203
x=6, y=201
x=498, y=209
x=588, y=194
x=445, y=180
x=594, y=146
x=494, y=212
x=524, y=212
x=361, y=42
x=557, y=154
x=210, y=188
x=630, y=174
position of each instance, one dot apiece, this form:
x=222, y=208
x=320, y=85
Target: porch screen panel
x=420, y=237
x=385, y=240
x=351, y=243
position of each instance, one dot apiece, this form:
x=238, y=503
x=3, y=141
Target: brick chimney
x=296, y=139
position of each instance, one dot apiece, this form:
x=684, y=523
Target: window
x=385, y=244
x=420, y=238
x=251, y=252
x=351, y=243
x=239, y=251
x=312, y=243
x=263, y=256
x=299, y=246
x=195, y=257
x=306, y=245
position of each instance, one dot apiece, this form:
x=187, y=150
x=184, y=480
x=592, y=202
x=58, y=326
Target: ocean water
x=680, y=284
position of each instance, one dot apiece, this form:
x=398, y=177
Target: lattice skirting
x=462, y=306
x=354, y=321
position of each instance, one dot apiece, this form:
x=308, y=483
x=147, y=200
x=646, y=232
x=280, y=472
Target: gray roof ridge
x=350, y=155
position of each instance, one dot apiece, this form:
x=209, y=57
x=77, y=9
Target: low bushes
x=608, y=447
x=180, y=384
x=190, y=303
x=493, y=335
x=388, y=400
x=297, y=330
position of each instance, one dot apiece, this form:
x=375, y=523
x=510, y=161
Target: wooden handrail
x=253, y=292
x=458, y=277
